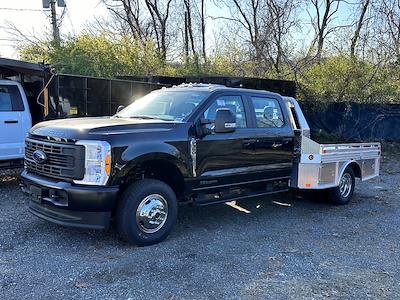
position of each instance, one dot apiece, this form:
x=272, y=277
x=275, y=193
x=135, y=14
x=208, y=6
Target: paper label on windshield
x=275, y=114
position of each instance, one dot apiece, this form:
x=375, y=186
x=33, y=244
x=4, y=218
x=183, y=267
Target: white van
x=15, y=121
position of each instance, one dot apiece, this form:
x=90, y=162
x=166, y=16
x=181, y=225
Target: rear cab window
x=10, y=98
x=268, y=112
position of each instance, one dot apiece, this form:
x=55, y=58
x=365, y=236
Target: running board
x=237, y=198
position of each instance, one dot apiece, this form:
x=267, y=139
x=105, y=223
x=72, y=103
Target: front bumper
x=67, y=204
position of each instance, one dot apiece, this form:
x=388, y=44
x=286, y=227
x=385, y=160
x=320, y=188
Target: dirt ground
x=282, y=247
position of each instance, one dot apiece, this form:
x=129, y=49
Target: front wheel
x=343, y=193
x=147, y=212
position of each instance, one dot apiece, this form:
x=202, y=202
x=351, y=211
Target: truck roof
x=8, y=82
x=214, y=87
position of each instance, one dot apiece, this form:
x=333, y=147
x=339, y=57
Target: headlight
x=97, y=162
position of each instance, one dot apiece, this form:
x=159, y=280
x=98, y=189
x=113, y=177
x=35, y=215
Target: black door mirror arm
x=201, y=129
x=204, y=121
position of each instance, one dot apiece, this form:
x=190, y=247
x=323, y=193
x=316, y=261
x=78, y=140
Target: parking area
x=279, y=247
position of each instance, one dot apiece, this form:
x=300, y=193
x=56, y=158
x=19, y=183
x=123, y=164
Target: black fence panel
x=353, y=122
x=98, y=100
x=283, y=87
x=71, y=96
x=76, y=96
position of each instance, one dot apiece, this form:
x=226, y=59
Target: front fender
x=147, y=151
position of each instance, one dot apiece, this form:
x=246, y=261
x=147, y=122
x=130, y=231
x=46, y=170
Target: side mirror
x=121, y=107
x=225, y=121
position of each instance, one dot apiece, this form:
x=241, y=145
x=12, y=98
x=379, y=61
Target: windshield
x=164, y=105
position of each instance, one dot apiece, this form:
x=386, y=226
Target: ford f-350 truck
x=192, y=143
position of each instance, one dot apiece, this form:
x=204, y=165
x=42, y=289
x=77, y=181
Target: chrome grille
x=64, y=161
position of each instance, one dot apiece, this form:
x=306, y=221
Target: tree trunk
x=356, y=35
x=203, y=31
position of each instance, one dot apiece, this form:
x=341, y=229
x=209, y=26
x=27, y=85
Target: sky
x=29, y=17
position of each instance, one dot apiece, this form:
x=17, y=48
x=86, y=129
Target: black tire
x=131, y=227
x=340, y=195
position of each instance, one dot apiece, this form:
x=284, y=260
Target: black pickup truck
x=192, y=143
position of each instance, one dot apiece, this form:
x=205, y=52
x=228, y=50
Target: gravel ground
x=302, y=249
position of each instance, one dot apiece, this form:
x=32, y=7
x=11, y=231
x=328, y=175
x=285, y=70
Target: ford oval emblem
x=39, y=156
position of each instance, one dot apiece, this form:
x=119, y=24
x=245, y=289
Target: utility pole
x=52, y=4
x=56, y=32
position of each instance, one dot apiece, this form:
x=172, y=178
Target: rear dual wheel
x=343, y=193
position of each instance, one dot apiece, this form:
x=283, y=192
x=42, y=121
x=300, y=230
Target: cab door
x=15, y=122
x=274, y=136
x=222, y=159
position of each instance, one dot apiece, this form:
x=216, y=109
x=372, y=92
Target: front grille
x=64, y=161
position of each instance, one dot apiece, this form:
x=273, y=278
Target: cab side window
x=10, y=98
x=268, y=112
x=234, y=103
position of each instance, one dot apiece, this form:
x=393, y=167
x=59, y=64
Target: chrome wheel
x=345, y=185
x=152, y=213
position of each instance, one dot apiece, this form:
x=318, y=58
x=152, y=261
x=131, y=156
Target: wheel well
x=356, y=169
x=162, y=170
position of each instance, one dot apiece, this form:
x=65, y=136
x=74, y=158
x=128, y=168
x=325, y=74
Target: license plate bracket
x=36, y=193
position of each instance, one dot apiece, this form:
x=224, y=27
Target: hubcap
x=152, y=213
x=345, y=185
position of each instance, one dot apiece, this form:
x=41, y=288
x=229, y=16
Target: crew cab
x=193, y=143
x=15, y=121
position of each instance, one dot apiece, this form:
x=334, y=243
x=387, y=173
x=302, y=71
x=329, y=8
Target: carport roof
x=11, y=67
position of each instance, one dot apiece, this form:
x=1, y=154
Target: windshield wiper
x=146, y=117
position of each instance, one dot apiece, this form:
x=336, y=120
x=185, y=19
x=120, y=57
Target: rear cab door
x=15, y=120
x=273, y=135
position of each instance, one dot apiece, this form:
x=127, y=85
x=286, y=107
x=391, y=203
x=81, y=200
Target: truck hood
x=81, y=128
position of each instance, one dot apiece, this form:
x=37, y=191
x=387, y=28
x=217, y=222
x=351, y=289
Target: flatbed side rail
x=355, y=147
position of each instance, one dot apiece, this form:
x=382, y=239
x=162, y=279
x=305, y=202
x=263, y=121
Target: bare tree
x=325, y=11
x=188, y=11
x=159, y=15
x=390, y=11
x=359, y=25
x=281, y=20
x=250, y=16
x=203, y=30
x=129, y=11
x=250, y=19
x=145, y=19
x=195, y=29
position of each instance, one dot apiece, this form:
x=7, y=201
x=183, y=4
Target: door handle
x=287, y=140
x=11, y=121
x=249, y=143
